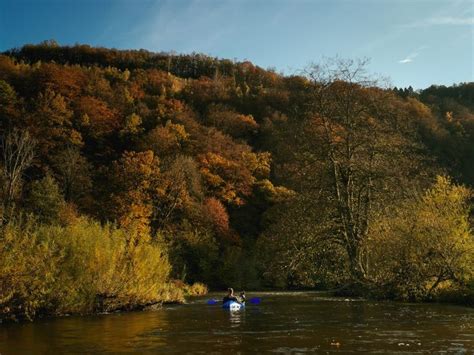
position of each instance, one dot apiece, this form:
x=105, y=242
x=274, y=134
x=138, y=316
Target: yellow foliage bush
x=425, y=247
x=80, y=268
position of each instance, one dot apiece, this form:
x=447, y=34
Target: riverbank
x=175, y=294
x=179, y=293
x=85, y=267
x=463, y=296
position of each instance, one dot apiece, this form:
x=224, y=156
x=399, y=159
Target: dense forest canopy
x=225, y=173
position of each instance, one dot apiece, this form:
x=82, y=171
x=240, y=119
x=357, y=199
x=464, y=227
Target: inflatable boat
x=233, y=306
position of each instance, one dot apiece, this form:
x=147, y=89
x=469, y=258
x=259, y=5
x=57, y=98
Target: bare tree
x=17, y=149
x=364, y=150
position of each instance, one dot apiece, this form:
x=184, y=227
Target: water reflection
x=108, y=333
x=236, y=318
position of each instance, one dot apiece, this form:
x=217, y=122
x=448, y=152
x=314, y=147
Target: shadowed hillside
x=228, y=174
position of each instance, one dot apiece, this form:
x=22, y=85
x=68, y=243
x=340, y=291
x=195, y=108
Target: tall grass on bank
x=196, y=289
x=80, y=268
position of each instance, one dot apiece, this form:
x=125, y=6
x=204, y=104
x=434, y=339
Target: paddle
x=253, y=300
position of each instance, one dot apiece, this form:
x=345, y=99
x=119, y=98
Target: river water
x=282, y=323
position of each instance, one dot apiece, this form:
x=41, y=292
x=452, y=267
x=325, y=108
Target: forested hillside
x=125, y=170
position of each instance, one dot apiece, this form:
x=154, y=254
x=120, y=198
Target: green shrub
x=45, y=200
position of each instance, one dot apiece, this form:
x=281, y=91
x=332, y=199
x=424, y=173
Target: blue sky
x=413, y=42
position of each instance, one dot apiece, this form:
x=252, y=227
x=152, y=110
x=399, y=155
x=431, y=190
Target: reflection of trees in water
x=112, y=333
x=140, y=330
x=358, y=312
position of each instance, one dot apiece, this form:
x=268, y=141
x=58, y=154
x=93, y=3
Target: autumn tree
x=9, y=110
x=68, y=81
x=217, y=214
x=74, y=173
x=231, y=122
x=165, y=140
x=95, y=117
x=51, y=124
x=180, y=189
x=135, y=176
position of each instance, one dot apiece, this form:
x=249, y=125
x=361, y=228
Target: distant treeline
x=183, y=65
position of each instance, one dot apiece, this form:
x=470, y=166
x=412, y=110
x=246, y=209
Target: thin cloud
x=455, y=21
x=443, y=21
x=410, y=57
x=406, y=60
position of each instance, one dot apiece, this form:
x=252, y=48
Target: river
x=286, y=322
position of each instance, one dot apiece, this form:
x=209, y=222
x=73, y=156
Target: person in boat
x=230, y=296
x=242, y=297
